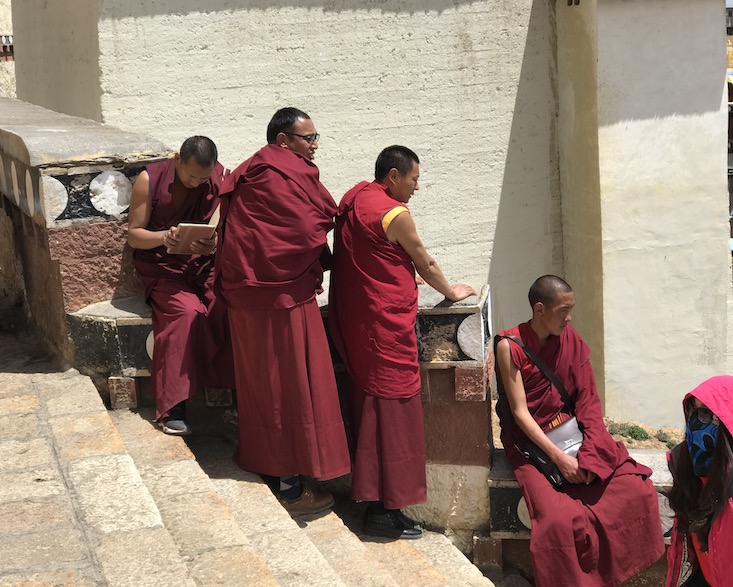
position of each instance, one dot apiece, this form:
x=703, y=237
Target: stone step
x=221, y=549
x=74, y=509
x=358, y=560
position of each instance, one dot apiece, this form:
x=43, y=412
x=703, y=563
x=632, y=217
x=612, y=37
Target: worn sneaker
x=175, y=427
x=310, y=501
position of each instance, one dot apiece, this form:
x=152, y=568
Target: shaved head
x=546, y=288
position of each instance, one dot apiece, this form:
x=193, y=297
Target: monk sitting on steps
x=602, y=526
x=191, y=346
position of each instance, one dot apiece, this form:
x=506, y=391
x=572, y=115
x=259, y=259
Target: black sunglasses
x=704, y=415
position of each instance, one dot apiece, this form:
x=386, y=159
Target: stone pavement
x=91, y=497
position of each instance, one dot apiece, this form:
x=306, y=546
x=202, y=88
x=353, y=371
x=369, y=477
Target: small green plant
x=628, y=430
x=662, y=436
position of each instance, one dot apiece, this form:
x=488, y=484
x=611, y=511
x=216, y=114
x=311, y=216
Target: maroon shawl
x=276, y=214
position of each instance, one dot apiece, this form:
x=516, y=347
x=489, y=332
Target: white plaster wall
x=7, y=68
x=465, y=84
x=56, y=51
x=662, y=154
x=577, y=55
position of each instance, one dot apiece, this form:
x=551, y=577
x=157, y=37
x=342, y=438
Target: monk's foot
x=175, y=427
x=391, y=524
x=310, y=501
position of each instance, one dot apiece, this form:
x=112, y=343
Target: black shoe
x=391, y=524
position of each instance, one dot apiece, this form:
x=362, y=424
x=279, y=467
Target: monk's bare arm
x=402, y=231
x=514, y=388
x=138, y=236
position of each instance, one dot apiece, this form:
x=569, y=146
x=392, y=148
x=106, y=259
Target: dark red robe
x=586, y=535
x=191, y=346
x=372, y=313
x=275, y=225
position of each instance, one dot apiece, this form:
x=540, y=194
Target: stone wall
x=665, y=271
x=66, y=184
x=467, y=85
x=7, y=62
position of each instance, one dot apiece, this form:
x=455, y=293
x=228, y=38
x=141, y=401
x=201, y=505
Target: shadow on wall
x=144, y=8
x=528, y=237
x=658, y=87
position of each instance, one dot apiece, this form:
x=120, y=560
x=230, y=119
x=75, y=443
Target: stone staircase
x=91, y=497
x=229, y=529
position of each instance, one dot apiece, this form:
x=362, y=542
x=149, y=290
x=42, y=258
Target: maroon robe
x=269, y=271
x=372, y=313
x=585, y=535
x=191, y=346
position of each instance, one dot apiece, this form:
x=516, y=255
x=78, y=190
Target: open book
x=188, y=232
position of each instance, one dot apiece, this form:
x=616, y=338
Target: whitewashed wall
x=505, y=116
x=7, y=68
x=56, y=55
x=466, y=84
x=662, y=143
x=443, y=78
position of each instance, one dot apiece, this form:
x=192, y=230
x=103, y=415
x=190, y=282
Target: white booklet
x=188, y=232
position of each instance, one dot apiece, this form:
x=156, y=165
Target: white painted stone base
x=458, y=501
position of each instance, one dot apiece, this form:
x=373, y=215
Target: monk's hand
x=570, y=469
x=170, y=237
x=204, y=246
x=460, y=291
x=419, y=280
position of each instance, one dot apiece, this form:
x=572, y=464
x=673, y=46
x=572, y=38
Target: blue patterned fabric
x=701, y=439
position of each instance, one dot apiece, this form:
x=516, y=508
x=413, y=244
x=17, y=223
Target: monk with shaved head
x=602, y=525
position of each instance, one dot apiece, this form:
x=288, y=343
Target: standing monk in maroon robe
x=372, y=313
x=603, y=525
x=269, y=271
x=189, y=326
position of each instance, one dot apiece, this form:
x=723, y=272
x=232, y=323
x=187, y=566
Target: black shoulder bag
x=568, y=436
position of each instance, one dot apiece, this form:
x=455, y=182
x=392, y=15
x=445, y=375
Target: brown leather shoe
x=310, y=501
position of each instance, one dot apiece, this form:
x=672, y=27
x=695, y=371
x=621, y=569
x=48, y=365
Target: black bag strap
x=535, y=358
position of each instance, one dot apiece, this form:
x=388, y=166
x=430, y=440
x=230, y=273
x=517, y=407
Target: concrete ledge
x=113, y=337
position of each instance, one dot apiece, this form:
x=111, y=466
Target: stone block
x=146, y=557
x=19, y=404
x=170, y=479
x=509, y=517
x=103, y=485
x=80, y=436
x=94, y=262
x=122, y=392
x=458, y=499
x=516, y=555
x=79, y=576
x=19, y=427
x=38, y=515
x=441, y=385
x=232, y=567
x=470, y=382
x=38, y=483
x=17, y=455
x=425, y=384
x=487, y=552
x=39, y=550
x=70, y=395
x=200, y=521
x=457, y=433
